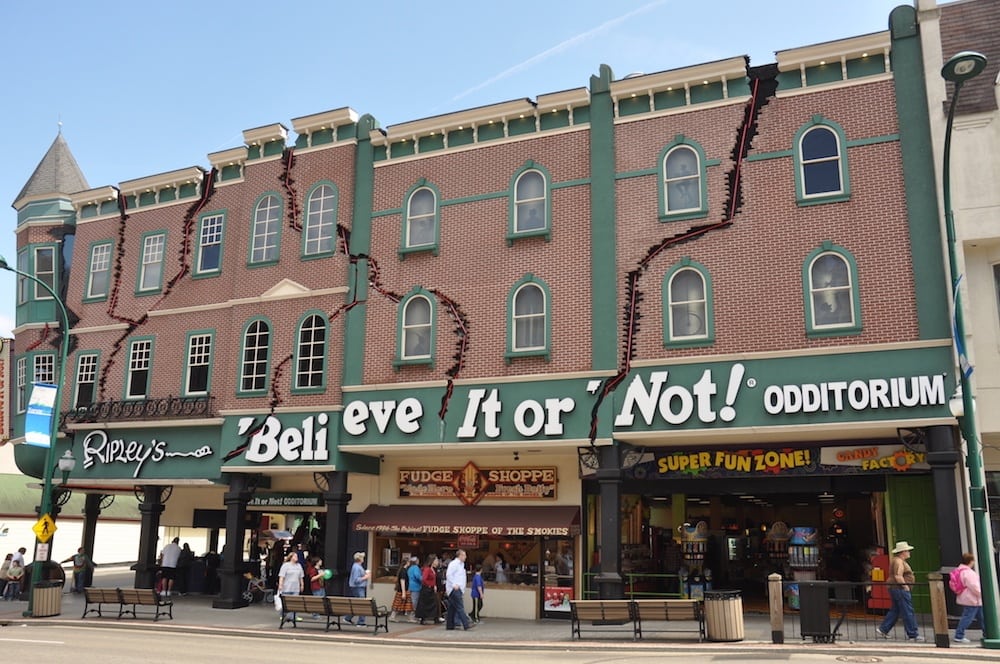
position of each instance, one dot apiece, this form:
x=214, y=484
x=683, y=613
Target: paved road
x=60, y=644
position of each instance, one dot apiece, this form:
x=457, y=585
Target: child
x=14, y=576
x=478, y=591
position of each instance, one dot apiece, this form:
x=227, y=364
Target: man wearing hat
x=901, y=577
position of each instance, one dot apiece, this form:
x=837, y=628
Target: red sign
x=468, y=541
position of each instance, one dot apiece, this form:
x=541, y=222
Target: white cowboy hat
x=902, y=546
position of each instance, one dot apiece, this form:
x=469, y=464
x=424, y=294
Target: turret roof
x=56, y=173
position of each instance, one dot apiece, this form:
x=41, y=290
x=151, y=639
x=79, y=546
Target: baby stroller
x=257, y=590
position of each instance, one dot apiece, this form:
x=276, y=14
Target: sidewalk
x=195, y=614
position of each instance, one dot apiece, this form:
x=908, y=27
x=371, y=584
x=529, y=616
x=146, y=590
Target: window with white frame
x=416, y=328
x=151, y=271
x=199, y=362
x=210, y=244
x=86, y=380
x=100, y=270
x=21, y=381
x=45, y=271
x=140, y=359
x=256, y=348
x=688, y=305
x=23, y=283
x=318, y=230
x=831, y=291
x=819, y=151
x=682, y=180
x=529, y=318
x=529, y=202
x=311, y=353
x=44, y=369
x=421, y=216
x=264, y=244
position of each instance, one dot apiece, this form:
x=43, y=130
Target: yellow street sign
x=45, y=528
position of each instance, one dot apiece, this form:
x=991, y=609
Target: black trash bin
x=724, y=615
x=814, y=611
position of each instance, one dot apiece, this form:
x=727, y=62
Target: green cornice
x=603, y=270
x=929, y=279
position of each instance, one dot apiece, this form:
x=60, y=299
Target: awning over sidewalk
x=509, y=521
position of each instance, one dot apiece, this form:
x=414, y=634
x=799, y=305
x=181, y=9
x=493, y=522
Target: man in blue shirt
x=358, y=583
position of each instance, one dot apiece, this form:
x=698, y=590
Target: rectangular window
x=21, y=396
x=151, y=271
x=44, y=369
x=45, y=271
x=100, y=271
x=22, y=281
x=210, y=244
x=86, y=381
x=139, y=360
x=199, y=361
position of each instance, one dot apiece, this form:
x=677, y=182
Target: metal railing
x=149, y=409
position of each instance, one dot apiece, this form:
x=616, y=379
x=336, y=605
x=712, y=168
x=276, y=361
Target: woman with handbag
x=429, y=605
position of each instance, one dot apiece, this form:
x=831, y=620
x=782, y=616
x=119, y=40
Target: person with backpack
x=901, y=580
x=964, y=582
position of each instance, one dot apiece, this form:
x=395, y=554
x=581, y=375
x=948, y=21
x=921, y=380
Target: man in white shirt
x=454, y=588
x=168, y=564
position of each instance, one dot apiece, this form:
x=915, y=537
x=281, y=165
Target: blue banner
x=963, y=359
x=38, y=419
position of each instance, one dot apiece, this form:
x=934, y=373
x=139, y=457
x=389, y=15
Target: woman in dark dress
x=428, y=606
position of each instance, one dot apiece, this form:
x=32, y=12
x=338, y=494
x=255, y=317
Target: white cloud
x=6, y=326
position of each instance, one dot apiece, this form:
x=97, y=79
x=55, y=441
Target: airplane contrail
x=559, y=48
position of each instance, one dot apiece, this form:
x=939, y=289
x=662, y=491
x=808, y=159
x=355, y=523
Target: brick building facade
x=691, y=305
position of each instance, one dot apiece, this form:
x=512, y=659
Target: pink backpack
x=955, y=581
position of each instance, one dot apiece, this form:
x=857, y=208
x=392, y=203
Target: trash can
x=724, y=615
x=814, y=611
x=47, y=599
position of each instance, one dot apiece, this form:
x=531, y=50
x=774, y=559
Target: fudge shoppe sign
x=470, y=484
x=824, y=389
x=716, y=464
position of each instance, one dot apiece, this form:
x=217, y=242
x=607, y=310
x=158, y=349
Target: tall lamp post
x=50, y=454
x=959, y=69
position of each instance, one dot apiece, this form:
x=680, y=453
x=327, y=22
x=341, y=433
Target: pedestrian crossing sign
x=45, y=528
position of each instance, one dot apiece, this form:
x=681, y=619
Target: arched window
x=421, y=219
x=682, y=180
x=266, y=217
x=830, y=291
x=687, y=305
x=821, y=173
x=820, y=162
x=529, y=202
x=310, y=353
x=417, y=328
x=256, y=353
x=317, y=233
x=529, y=318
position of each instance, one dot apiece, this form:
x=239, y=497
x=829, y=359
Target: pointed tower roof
x=56, y=173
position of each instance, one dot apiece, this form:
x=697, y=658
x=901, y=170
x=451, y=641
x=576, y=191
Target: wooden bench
x=100, y=596
x=364, y=607
x=316, y=606
x=670, y=610
x=601, y=613
x=136, y=597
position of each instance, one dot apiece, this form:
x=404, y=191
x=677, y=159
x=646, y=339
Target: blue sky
x=143, y=87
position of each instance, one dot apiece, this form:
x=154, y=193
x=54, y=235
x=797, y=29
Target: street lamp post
x=958, y=69
x=50, y=455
